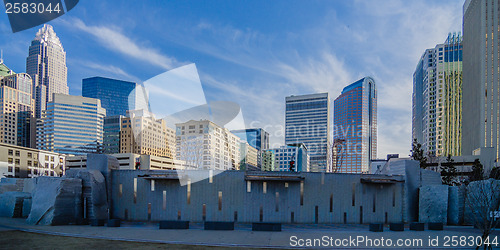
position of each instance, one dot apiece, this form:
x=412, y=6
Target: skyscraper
x=116, y=96
x=72, y=125
x=46, y=64
x=17, y=123
x=481, y=76
x=307, y=121
x=355, y=126
x=437, y=98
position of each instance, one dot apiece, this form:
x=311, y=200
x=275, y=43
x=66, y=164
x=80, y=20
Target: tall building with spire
x=46, y=64
x=437, y=99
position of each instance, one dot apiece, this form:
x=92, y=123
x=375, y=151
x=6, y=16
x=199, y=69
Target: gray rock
x=94, y=192
x=481, y=197
x=11, y=184
x=26, y=207
x=56, y=201
x=11, y=204
x=433, y=203
x=453, y=205
x=29, y=185
x=104, y=164
x=7, y=187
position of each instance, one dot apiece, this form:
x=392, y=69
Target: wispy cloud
x=110, y=71
x=114, y=39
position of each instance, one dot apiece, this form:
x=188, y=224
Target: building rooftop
x=4, y=70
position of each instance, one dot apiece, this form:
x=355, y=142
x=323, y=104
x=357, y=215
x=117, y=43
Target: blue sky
x=256, y=52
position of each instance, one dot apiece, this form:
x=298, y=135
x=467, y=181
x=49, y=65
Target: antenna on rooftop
x=1, y=56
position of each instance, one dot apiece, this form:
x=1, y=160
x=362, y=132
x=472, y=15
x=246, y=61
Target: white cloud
x=111, y=70
x=112, y=38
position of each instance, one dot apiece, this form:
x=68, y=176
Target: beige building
x=141, y=133
x=17, y=123
x=22, y=162
x=205, y=145
x=130, y=161
x=248, y=156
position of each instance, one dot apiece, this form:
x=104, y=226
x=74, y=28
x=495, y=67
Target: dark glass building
x=116, y=96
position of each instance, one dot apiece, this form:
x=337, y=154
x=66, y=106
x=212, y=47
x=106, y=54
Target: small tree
x=448, y=172
x=495, y=173
x=477, y=173
x=417, y=154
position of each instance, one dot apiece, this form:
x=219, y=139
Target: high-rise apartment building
x=437, y=98
x=17, y=123
x=72, y=125
x=46, y=64
x=205, y=145
x=116, y=96
x=141, y=133
x=355, y=127
x=481, y=76
x=307, y=121
x=257, y=138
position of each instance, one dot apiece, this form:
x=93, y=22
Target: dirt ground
x=23, y=240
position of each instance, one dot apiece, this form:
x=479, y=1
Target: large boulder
x=29, y=185
x=11, y=184
x=481, y=198
x=56, y=201
x=94, y=192
x=433, y=204
x=12, y=203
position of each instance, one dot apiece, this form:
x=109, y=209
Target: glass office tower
x=257, y=138
x=72, y=125
x=116, y=96
x=307, y=121
x=355, y=126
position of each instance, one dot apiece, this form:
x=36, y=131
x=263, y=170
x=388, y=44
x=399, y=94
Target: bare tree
x=483, y=198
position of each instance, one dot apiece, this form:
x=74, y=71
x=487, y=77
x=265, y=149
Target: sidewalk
x=242, y=236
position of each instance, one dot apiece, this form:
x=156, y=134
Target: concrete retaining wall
x=227, y=196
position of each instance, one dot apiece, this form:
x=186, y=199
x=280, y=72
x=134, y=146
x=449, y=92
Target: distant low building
x=23, y=162
x=295, y=154
x=130, y=161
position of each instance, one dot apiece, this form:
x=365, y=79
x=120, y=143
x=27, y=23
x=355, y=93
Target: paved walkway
x=297, y=235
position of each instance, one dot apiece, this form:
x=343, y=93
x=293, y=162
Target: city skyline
x=231, y=52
